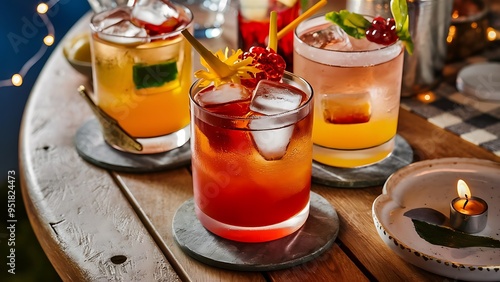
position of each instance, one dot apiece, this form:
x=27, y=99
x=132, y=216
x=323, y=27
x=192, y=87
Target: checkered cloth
x=468, y=117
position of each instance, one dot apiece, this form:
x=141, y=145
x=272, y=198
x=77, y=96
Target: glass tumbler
x=239, y=164
x=142, y=81
x=357, y=98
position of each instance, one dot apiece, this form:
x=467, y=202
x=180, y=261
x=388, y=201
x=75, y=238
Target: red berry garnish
x=382, y=31
x=267, y=60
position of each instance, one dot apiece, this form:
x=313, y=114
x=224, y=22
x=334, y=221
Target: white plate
x=481, y=80
x=432, y=184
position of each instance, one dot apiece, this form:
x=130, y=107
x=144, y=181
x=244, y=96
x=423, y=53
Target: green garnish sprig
x=355, y=25
x=399, y=10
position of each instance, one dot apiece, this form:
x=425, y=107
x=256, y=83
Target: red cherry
x=382, y=31
x=379, y=22
x=267, y=60
x=391, y=23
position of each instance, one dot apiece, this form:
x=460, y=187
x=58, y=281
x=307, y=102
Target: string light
x=17, y=80
x=48, y=40
x=41, y=9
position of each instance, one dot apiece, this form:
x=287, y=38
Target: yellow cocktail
x=142, y=81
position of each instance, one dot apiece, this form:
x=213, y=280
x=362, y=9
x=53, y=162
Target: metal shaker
x=429, y=25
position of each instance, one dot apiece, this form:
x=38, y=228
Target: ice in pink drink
x=357, y=86
x=243, y=144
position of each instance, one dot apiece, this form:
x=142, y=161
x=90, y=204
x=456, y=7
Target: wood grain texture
x=82, y=220
x=159, y=196
x=360, y=237
x=334, y=265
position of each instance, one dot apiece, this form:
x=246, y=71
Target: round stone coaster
x=312, y=239
x=372, y=175
x=91, y=146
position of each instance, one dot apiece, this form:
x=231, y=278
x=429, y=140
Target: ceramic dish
x=480, y=80
x=76, y=50
x=430, y=186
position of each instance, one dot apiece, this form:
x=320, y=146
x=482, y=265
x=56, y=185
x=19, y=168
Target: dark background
x=21, y=37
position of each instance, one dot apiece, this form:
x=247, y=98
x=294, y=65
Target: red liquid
x=254, y=33
x=235, y=185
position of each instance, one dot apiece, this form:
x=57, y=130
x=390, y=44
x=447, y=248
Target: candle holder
x=462, y=220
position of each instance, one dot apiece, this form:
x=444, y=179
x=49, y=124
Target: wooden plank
x=158, y=196
x=333, y=265
x=82, y=220
x=360, y=237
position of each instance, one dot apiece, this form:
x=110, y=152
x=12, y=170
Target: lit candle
x=467, y=213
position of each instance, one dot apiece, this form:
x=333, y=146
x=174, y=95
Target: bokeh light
x=48, y=40
x=17, y=80
x=42, y=8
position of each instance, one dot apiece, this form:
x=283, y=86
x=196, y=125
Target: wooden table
x=99, y=225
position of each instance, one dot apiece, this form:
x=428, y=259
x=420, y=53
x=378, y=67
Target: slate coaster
x=316, y=236
x=91, y=146
x=372, y=175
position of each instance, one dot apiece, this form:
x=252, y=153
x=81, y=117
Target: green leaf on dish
x=448, y=237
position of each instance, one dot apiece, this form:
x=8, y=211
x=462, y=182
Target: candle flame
x=463, y=190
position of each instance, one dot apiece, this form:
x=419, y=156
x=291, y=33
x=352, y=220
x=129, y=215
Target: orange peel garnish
x=240, y=69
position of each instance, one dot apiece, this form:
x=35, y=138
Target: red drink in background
x=251, y=171
x=253, y=25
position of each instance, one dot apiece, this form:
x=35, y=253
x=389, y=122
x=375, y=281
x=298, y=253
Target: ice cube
x=223, y=94
x=364, y=44
x=124, y=32
x=332, y=37
x=154, y=12
x=351, y=108
x=112, y=17
x=272, y=135
x=272, y=98
x=115, y=26
x=271, y=143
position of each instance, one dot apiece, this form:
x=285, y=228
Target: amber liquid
x=235, y=185
x=146, y=112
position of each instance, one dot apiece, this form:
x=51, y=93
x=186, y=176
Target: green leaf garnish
x=353, y=24
x=399, y=10
x=146, y=76
x=448, y=237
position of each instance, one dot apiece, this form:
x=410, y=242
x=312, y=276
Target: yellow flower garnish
x=240, y=69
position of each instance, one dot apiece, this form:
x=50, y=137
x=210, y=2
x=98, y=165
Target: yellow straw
x=215, y=63
x=273, y=29
x=300, y=18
